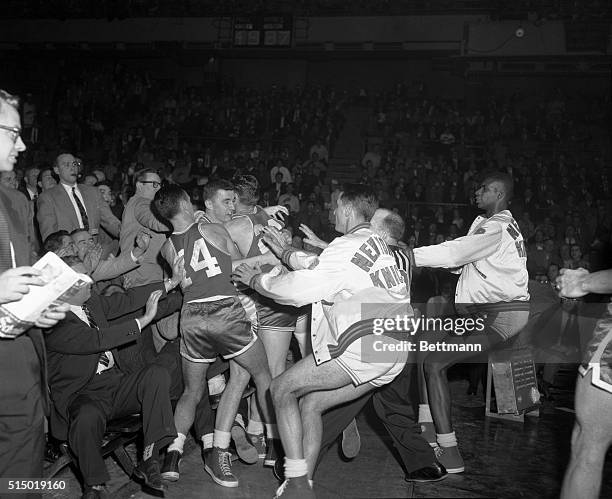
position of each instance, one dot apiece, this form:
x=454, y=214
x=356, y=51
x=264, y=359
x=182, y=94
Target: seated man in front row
x=89, y=385
x=355, y=269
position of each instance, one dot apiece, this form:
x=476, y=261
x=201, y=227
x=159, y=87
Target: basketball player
x=491, y=260
x=276, y=323
x=213, y=322
x=592, y=433
x=346, y=275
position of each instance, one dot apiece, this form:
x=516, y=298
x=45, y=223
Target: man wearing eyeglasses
x=23, y=394
x=69, y=206
x=138, y=217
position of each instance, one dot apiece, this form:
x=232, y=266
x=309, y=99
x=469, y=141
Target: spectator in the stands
x=70, y=206
x=320, y=149
x=311, y=217
x=290, y=200
x=280, y=168
x=277, y=188
x=46, y=179
x=9, y=179
x=29, y=186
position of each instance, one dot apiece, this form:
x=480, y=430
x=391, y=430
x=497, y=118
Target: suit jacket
x=74, y=347
x=56, y=211
x=114, y=266
x=22, y=360
x=138, y=216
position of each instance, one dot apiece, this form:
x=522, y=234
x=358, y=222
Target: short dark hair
x=217, y=184
x=7, y=99
x=362, y=198
x=140, y=175
x=247, y=189
x=167, y=200
x=394, y=225
x=76, y=231
x=43, y=170
x=505, y=179
x=54, y=240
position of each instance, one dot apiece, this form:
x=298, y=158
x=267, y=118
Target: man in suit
x=138, y=217
x=89, y=385
x=70, y=206
x=23, y=399
x=30, y=183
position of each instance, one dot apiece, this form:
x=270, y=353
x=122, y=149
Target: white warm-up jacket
x=354, y=270
x=491, y=259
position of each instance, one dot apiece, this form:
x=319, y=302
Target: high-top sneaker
x=450, y=458
x=219, y=466
x=274, y=451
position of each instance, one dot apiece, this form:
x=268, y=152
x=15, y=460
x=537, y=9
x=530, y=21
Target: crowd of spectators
x=118, y=121
x=424, y=154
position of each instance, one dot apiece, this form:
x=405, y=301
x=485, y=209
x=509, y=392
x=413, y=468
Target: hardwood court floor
x=503, y=459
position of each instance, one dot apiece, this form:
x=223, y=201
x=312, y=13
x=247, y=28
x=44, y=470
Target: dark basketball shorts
x=221, y=327
x=272, y=316
x=598, y=354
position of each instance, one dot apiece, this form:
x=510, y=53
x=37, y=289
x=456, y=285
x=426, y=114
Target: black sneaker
x=279, y=470
x=170, y=468
x=219, y=466
x=274, y=451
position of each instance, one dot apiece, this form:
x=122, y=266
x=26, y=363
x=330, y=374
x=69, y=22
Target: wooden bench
x=119, y=433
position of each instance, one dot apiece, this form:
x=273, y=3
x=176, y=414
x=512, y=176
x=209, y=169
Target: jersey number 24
x=201, y=259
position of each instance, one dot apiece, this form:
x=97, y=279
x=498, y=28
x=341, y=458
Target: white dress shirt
x=68, y=189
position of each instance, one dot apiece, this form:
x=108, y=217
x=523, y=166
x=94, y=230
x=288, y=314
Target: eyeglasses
x=156, y=184
x=14, y=132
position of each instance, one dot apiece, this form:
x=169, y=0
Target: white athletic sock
x=425, y=414
x=447, y=439
x=255, y=427
x=216, y=384
x=178, y=443
x=271, y=431
x=207, y=441
x=295, y=468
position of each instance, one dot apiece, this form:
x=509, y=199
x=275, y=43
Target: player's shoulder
x=212, y=229
x=503, y=217
x=241, y=220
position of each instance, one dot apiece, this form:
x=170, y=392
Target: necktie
x=90, y=318
x=81, y=209
x=105, y=361
x=5, y=242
